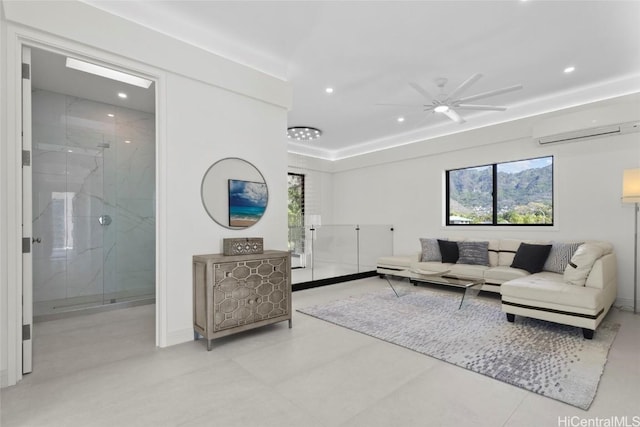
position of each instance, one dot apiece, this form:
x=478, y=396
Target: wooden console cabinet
x=235, y=293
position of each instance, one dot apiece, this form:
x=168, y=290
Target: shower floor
x=55, y=309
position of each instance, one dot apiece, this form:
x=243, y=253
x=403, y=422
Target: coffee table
x=471, y=286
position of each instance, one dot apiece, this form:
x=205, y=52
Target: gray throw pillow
x=430, y=250
x=475, y=253
x=560, y=256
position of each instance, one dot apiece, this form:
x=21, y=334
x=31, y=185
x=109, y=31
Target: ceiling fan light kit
x=448, y=104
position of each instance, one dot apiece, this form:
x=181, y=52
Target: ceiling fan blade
x=471, y=80
x=421, y=90
x=453, y=116
x=402, y=105
x=480, y=107
x=489, y=93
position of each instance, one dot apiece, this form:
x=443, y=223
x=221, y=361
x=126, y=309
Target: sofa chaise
x=572, y=283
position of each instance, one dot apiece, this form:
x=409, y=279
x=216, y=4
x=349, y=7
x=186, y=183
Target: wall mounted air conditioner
x=594, y=123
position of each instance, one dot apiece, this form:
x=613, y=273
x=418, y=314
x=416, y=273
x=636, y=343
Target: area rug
x=543, y=357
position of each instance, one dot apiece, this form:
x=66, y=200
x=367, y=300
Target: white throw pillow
x=581, y=262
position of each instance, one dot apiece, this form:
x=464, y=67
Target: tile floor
x=103, y=370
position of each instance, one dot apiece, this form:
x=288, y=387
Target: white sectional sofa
x=577, y=284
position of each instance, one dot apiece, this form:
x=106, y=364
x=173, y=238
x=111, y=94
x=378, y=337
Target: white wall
x=219, y=124
x=207, y=108
x=405, y=187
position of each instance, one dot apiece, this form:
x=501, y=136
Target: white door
x=27, y=263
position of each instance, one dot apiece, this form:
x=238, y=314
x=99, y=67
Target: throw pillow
x=581, y=262
x=475, y=253
x=430, y=250
x=507, y=250
x=559, y=256
x=449, y=251
x=531, y=257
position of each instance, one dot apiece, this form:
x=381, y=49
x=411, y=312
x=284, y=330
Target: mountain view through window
x=523, y=193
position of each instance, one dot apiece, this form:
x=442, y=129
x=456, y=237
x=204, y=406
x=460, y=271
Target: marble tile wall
x=87, y=164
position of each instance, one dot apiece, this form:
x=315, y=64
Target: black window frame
x=494, y=193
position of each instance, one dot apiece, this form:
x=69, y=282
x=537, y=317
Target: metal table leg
x=391, y=285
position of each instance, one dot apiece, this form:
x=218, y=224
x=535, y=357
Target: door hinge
x=26, y=332
x=26, y=158
x=26, y=71
x=26, y=245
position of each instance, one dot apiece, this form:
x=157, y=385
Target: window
x=296, y=218
x=510, y=193
x=61, y=224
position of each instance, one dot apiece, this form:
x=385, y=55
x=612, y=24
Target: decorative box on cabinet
x=235, y=293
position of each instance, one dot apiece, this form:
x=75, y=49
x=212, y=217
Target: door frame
x=27, y=212
x=17, y=37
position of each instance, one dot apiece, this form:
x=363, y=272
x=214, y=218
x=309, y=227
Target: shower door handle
x=104, y=220
x=36, y=240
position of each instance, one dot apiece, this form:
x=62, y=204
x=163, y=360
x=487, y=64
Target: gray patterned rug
x=546, y=358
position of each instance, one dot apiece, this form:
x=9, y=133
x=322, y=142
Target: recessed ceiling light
x=441, y=109
x=329, y=90
x=400, y=119
x=303, y=133
x=122, y=95
x=569, y=70
x=127, y=142
x=109, y=73
x=111, y=115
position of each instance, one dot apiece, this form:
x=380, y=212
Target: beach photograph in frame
x=247, y=202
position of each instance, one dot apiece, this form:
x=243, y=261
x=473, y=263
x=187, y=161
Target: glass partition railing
x=333, y=251
x=297, y=241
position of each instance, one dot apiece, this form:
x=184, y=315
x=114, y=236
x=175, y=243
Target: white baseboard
x=624, y=304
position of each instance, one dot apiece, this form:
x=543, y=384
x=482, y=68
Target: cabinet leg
x=209, y=346
x=290, y=323
x=196, y=336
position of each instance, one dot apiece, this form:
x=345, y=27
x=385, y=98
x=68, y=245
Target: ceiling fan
x=449, y=104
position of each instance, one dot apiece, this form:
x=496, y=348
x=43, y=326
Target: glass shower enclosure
x=93, y=204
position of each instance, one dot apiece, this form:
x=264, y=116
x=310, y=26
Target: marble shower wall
x=84, y=169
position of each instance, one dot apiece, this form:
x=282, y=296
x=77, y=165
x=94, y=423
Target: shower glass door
x=93, y=222
x=128, y=214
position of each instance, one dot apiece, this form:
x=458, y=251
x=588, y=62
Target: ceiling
x=369, y=51
x=50, y=73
